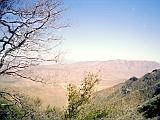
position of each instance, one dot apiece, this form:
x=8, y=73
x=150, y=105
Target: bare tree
x=27, y=34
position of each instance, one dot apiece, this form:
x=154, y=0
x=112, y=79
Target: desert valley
x=79, y=60
x=58, y=77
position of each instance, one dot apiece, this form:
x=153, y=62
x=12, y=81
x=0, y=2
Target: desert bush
x=79, y=97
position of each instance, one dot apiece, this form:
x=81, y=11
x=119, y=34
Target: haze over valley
x=58, y=77
x=79, y=60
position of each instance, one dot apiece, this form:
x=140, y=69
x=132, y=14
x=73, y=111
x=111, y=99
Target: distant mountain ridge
x=112, y=72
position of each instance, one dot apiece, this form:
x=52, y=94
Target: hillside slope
x=128, y=96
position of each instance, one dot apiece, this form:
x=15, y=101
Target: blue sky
x=112, y=29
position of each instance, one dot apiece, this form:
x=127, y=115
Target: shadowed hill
x=128, y=96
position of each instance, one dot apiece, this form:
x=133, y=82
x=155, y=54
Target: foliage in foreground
x=81, y=106
x=151, y=108
x=15, y=106
x=143, y=92
x=79, y=97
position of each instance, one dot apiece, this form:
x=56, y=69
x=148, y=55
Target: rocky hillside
x=128, y=96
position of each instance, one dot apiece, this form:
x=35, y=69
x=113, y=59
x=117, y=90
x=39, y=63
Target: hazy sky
x=112, y=29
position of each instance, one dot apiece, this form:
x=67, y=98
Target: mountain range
x=112, y=72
